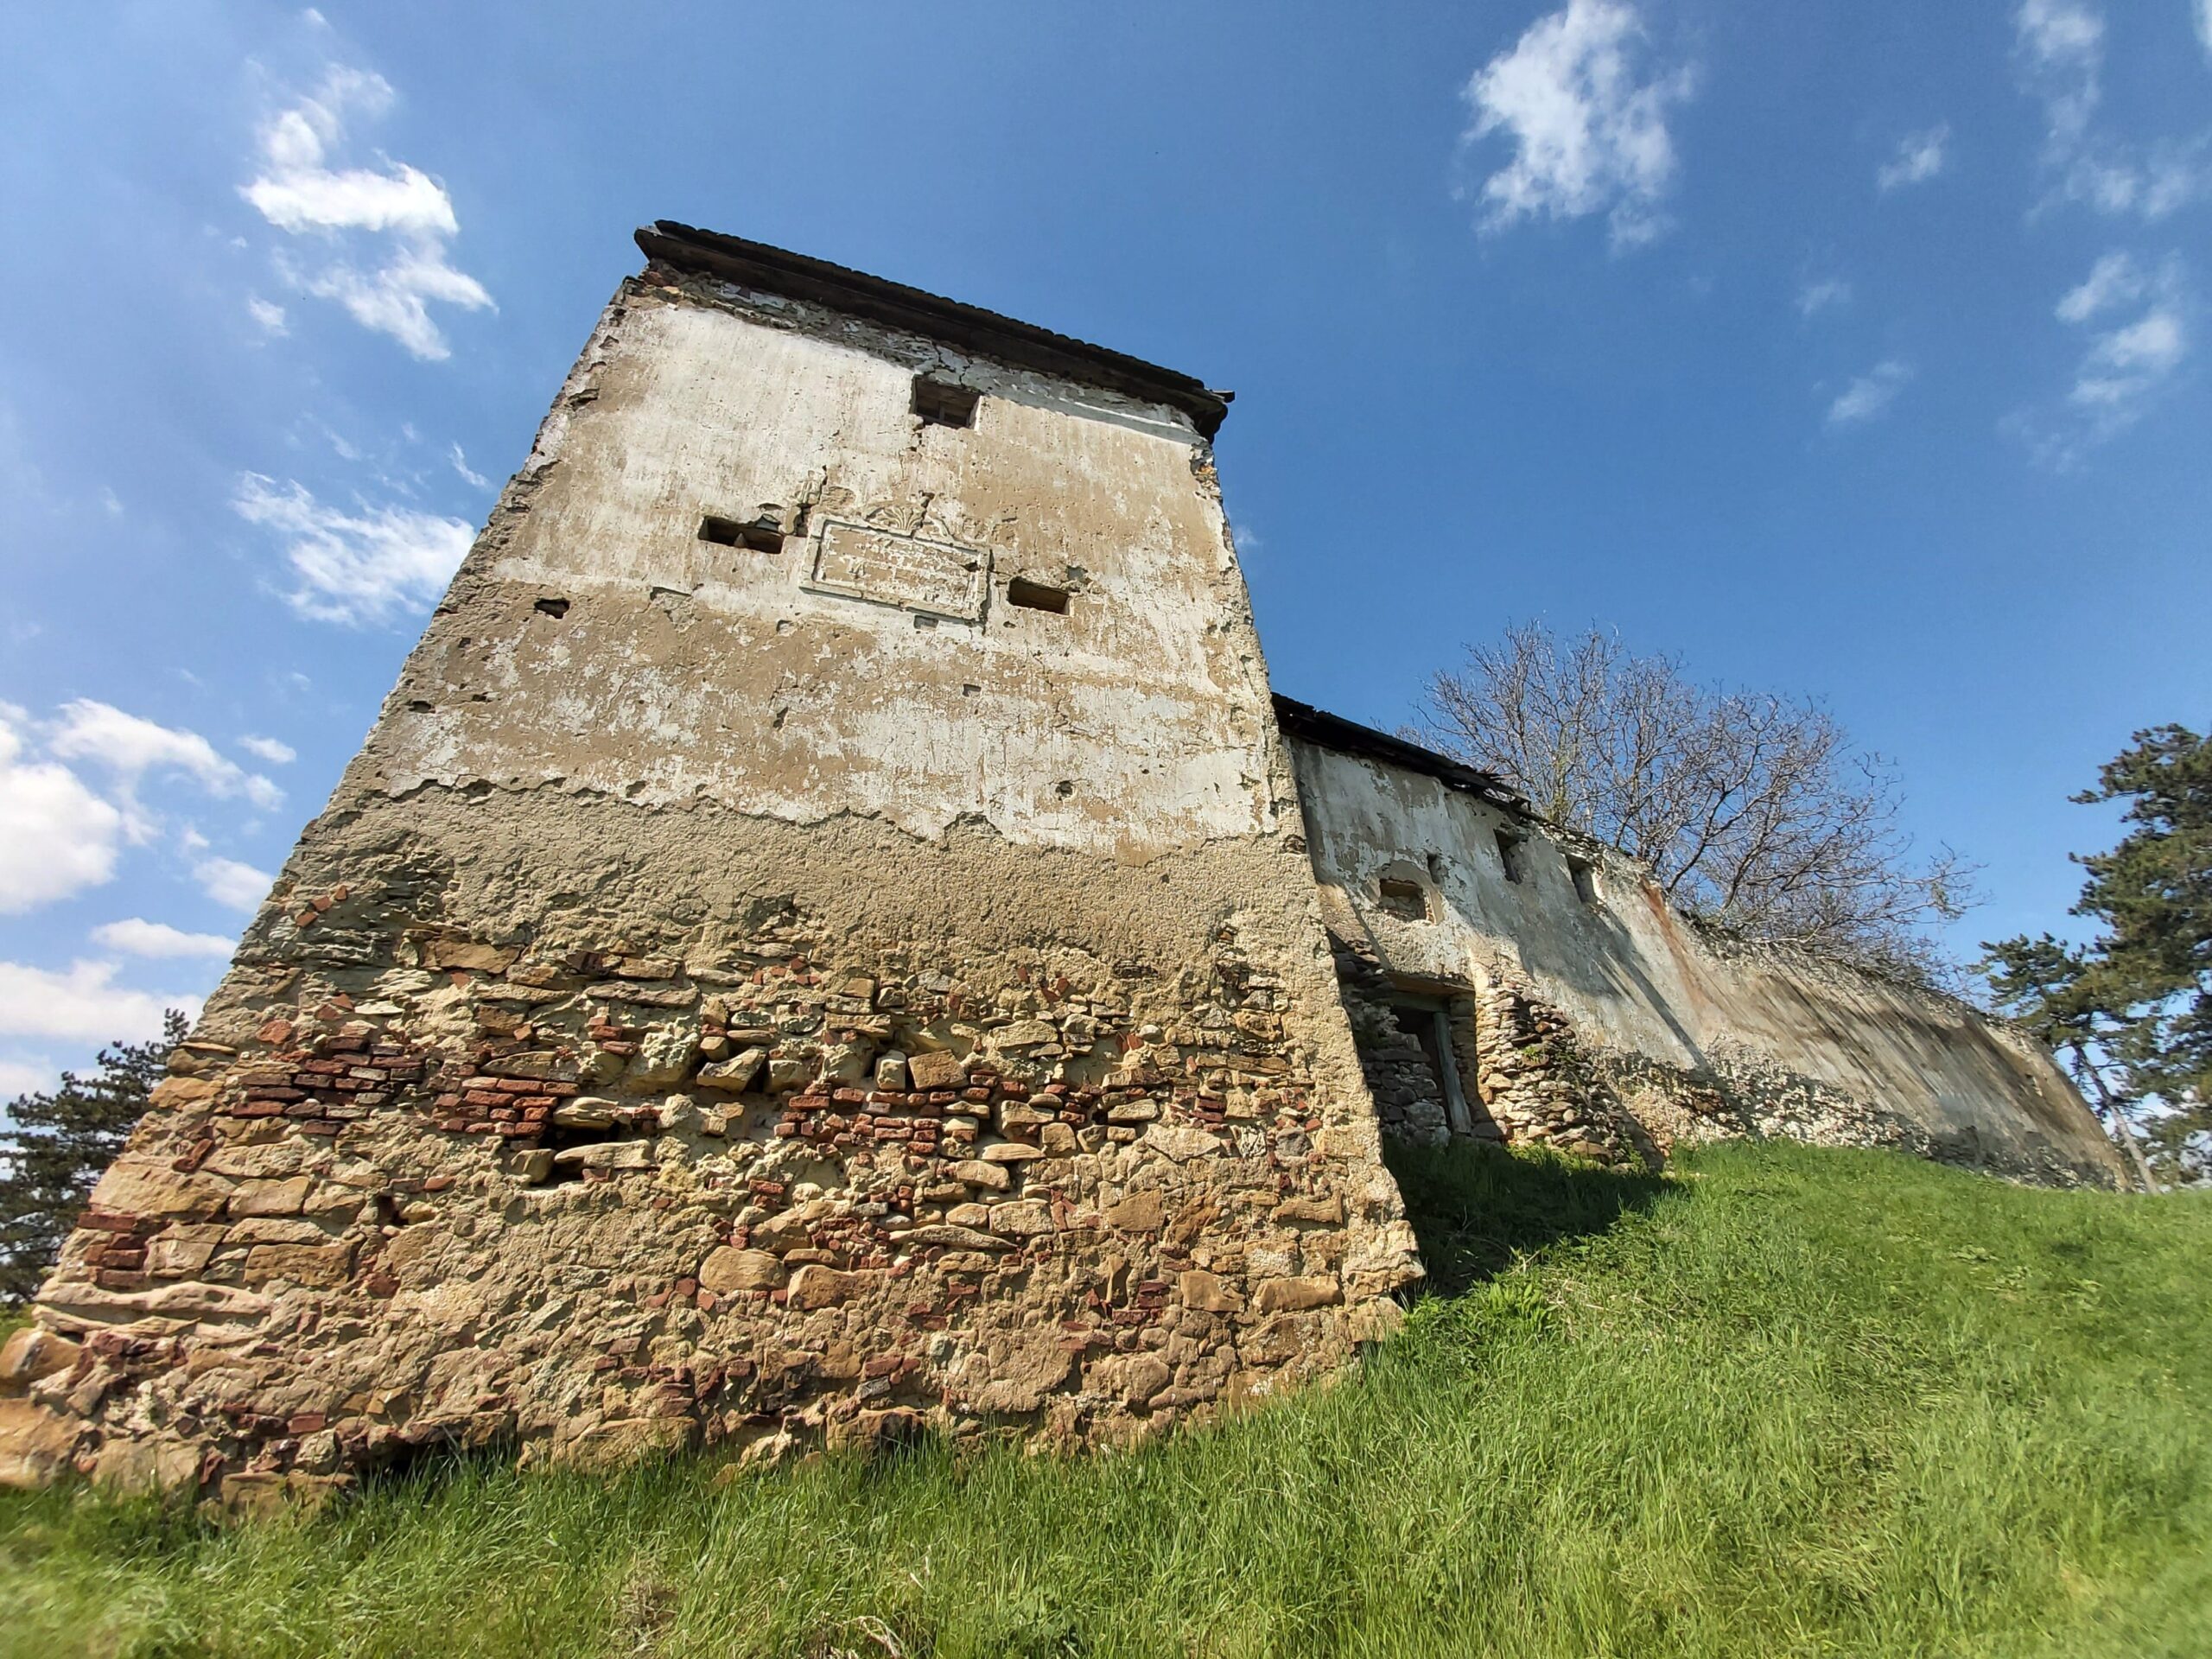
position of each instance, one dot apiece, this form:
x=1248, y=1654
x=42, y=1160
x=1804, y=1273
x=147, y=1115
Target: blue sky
x=1850, y=347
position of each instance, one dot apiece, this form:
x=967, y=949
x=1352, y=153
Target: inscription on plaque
x=935, y=578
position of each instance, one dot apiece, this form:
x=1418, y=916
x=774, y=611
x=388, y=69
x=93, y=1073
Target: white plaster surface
x=1634, y=976
x=1134, y=724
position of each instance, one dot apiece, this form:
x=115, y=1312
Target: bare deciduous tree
x=1753, y=811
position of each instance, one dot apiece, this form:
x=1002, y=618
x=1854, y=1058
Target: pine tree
x=2133, y=1007
x=53, y=1147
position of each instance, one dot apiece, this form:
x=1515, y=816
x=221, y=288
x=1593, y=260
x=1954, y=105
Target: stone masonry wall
x=598, y=1190
x=762, y=980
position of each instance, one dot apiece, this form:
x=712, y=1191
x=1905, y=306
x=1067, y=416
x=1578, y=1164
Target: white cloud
x=2139, y=324
x=138, y=937
x=267, y=314
x=19, y=1077
x=1588, y=124
x=1919, y=158
x=468, y=473
x=233, y=884
x=2060, y=47
x=57, y=836
x=298, y=191
x=275, y=752
x=2114, y=280
x=1870, y=394
x=82, y=1004
x=2204, y=25
x=1814, y=297
x=358, y=567
x=129, y=747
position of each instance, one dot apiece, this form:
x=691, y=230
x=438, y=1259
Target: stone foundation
x=599, y=1188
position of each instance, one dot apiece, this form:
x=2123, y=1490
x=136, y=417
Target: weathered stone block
x=816, y=1285
x=938, y=1071
x=30, y=1354
x=1024, y=1219
x=1208, y=1293
x=282, y=1197
x=727, y=1271
x=319, y=1265
x=991, y=1178
x=1293, y=1295
x=736, y=1074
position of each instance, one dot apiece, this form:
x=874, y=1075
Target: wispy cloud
x=1919, y=157
x=356, y=567
x=138, y=937
x=1586, y=117
x=1814, y=297
x=299, y=192
x=468, y=473
x=81, y=1004
x=232, y=884
x=129, y=747
x=2204, y=25
x=267, y=314
x=2114, y=280
x=2137, y=321
x=1870, y=394
x=2060, y=45
x=275, y=752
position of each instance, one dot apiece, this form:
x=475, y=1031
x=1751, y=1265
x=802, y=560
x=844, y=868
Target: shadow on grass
x=1476, y=1208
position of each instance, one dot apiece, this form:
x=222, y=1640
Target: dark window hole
x=559, y=1138
x=1036, y=596
x=727, y=533
x=939, y=402
x=552, y=608
x=1585, y=878
x=1510, y=856
x=1404, y=899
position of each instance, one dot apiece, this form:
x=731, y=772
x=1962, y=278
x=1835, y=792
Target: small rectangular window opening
x=939, y=402
x=1510, y=854
x=727, y=533
x=1404, y=899
x=1585, y=880
x=1036, y=596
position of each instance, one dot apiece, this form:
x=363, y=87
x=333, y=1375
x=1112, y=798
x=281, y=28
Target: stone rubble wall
x=778, y=1176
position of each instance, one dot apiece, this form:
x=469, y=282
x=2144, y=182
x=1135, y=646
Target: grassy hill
x=1782, y=1402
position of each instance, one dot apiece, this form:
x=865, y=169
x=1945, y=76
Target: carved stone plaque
x=935, y=578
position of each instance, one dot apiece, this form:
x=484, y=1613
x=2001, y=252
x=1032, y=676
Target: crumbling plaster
x=1636, y=979
x=1135, y=723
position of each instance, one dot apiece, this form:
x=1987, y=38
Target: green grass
x=1785, y=1402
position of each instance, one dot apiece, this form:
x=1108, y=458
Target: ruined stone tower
x=819, y=937
x=823, y=941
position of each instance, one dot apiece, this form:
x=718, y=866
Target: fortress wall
x=1616, y=996
x=743, y=992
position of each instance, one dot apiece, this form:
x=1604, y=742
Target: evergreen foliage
x=53, y=1147
x=2133, y=1008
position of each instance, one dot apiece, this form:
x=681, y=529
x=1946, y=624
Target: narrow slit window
x=1584, y=873
x=1037, y=596
x=729, y=532
x=1406, y=900
x=939, y=402
x=1510, y=856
